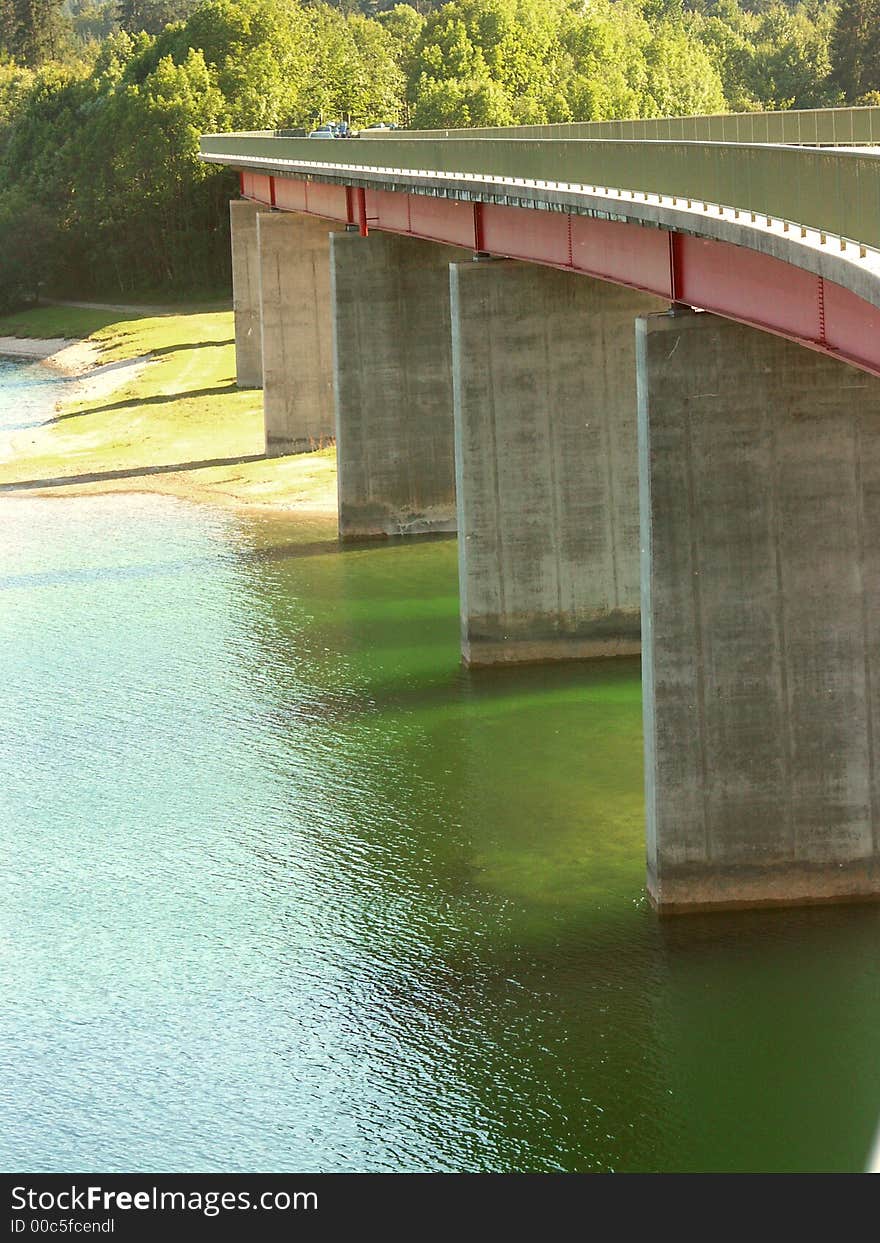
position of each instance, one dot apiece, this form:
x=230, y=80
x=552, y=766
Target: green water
x=284, y=888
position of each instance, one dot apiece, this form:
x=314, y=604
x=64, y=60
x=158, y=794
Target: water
x=28, y=391
x=286, y=889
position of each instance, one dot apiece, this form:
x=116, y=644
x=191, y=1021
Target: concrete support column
x=294, y=253
x=246, y=292
x=546, y=463
x=393, y=380
x=760, y=495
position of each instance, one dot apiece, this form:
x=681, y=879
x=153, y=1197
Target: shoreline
x=77, y=361
x=179, y=487
x=173, y=400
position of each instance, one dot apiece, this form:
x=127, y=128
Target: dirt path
x=124, y=308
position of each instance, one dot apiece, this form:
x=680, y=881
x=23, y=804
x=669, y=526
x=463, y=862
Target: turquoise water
x=28, y=392
x=284, y=888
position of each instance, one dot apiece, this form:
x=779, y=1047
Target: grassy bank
x=177, y=426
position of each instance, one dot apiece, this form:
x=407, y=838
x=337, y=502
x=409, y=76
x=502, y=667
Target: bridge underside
x=679, y=483
x=730, y=280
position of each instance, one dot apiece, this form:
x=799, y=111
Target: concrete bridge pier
x=246, y=292
x=393, y=384
x=294, y=265
x=546, y=463
x=760, y=500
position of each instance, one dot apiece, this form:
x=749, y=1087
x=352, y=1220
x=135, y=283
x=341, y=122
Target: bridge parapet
x=823, y=127
x=835, y=191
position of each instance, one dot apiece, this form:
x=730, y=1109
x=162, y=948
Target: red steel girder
x=733, y=281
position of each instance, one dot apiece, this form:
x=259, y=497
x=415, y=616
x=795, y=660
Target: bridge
x=635, y=365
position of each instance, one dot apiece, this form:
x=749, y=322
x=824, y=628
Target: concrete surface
x=760, y=496
x=546, y=463
x=393, y=384
x=294, y=255
x=246, y=292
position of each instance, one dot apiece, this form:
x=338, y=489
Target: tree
x=855, y=48
x=351, y=71
x=15, y=83
x=91, y=21
x=680, y=78
x=622, y=65
x=497, y=59
x=29, y=252
x=791, y=62
x=403, y=25
x=727, y=34
x=152, y=16
x=31, y=30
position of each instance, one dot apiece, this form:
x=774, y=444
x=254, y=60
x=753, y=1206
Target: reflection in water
x=286, y=888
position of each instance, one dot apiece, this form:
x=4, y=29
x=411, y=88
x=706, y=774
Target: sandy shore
x=73, y=357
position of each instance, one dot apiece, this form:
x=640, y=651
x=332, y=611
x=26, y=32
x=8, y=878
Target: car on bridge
x=332, y=129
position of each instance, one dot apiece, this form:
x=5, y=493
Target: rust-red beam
x=733, y=281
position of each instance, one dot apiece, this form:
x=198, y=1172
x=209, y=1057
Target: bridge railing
x=810, y=126
x=836, y=191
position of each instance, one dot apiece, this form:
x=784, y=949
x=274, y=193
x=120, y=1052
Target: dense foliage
x=102, y=101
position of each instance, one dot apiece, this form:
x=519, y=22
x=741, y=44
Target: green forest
x=102, y=101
